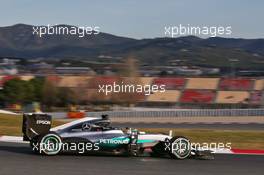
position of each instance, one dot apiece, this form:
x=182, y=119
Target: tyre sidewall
x=183, y=140
x=50, y=144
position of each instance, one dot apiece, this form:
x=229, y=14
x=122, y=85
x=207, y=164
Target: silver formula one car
x=97, y=136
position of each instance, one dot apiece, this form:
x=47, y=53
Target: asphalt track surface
x=221, y=126
x=17, y=159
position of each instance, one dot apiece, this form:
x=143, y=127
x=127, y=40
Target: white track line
x=12, y=139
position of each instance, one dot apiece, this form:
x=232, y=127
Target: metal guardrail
x=181, y=113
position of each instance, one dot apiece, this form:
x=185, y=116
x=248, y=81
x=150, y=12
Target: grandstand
x=73, y=81
x=94, y=82
x=26, y=77
x=211, y=92
x=197, y=96
x=202, y=83
x=236, y=84
x=227, y=97
x=4, y=79
x=54, y=79
x=167, y=96
x=256, y=97
x=259, y=85
x=171, y=83
x=146, y=80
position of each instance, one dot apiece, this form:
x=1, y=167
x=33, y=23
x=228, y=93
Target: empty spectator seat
x=197, y=96
x=202, y=83
x=236, y=84
x=170, y=83
x=232, y=97
x=167, y=96
x=259, y=85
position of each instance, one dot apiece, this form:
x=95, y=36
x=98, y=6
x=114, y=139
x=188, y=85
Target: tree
x=50, y=94
x=36, y=90
x=18, y=91
x=66, y=96
x=38, y=84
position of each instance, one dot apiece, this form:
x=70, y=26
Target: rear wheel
x=50, y=144
x=180, y=147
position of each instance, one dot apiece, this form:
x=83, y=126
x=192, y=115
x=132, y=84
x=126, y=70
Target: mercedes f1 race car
x=97, y=136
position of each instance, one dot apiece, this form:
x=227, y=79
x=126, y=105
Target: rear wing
x=35, y=124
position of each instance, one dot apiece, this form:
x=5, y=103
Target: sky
x=139, y=18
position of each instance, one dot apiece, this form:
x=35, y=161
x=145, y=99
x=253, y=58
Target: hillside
x=18, y=41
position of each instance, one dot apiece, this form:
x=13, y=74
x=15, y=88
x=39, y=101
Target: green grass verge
x=12, y=124
x=243, y=139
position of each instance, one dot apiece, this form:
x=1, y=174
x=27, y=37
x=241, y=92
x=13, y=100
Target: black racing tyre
x=180, y=147
x=49, y=144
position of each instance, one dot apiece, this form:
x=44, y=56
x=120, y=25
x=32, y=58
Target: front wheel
x=180, y=147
